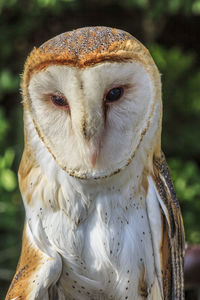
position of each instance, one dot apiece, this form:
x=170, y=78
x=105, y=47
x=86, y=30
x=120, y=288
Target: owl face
x=92, y=119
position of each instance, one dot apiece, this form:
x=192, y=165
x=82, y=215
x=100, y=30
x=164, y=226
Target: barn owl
x=102, y=218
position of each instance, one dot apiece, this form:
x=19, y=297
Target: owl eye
x=59, y=100
x=114, y=94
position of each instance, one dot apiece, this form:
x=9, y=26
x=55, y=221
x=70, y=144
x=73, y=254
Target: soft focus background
x=170, y=29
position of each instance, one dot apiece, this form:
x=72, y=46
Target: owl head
x=92, y=95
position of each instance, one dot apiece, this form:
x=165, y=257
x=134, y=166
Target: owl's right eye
x=114, y=95
x=59, y=100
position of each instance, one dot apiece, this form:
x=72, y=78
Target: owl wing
x=35, y=273
x=172, y=243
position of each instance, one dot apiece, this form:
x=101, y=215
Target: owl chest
x=109, y=253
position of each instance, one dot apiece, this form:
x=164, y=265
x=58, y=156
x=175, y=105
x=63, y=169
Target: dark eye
x=114, y=94
x=59, y=100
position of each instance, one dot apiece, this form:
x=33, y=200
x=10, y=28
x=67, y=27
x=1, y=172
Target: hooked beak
x=94, y=156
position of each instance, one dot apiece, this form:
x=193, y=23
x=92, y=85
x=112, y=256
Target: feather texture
x=174, y=227
x=102, y=218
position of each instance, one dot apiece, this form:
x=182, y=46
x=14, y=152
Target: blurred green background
x=170, y=29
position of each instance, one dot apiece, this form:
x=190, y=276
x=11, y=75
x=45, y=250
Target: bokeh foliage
x=174, y=46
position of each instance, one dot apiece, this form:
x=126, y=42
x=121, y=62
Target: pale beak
x=92, y=129
x=94, y=158
x=94, y=152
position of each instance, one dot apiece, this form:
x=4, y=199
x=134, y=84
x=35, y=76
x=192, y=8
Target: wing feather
x=173, y=226
x=36, y=272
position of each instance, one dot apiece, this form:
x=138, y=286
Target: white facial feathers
x=91, y=138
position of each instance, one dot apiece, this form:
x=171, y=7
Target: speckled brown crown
x=85, y=47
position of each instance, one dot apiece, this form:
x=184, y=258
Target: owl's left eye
x=114, y=95
x=59, y=100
